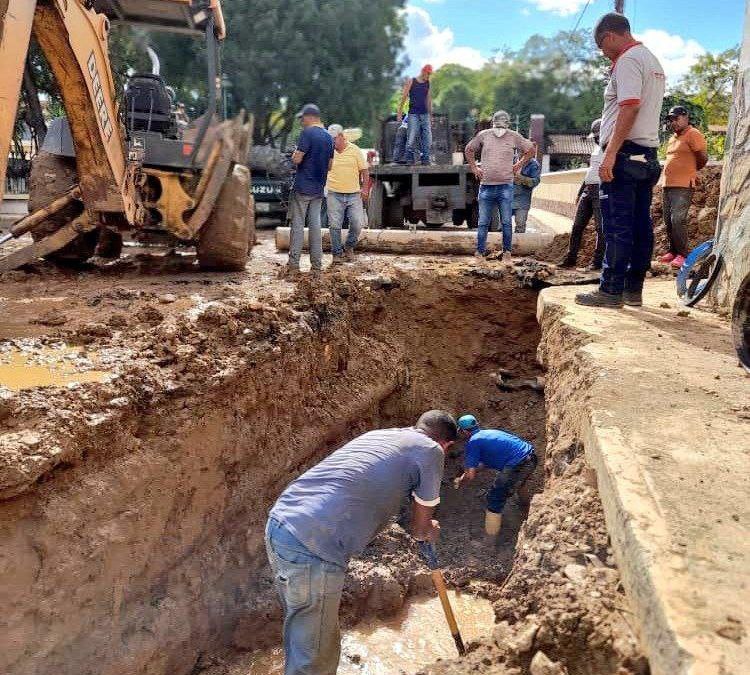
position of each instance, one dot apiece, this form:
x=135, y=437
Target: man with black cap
x=686, y=155
x=630, y=168
x=313, y=158
x=588, y=205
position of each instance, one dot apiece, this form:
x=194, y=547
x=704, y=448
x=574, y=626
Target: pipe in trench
x=458, y=242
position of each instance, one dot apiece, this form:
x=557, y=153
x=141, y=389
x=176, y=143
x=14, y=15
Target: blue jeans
x=310, y=591
x=508, y=481
x=305, y=210
x=626, y=220
x=419, y=127
x=344, y=205
x=489, y=197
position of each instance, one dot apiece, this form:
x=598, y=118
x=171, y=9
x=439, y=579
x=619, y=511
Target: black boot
x=598, y=298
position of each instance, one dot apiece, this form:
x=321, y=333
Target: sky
x=470, y=31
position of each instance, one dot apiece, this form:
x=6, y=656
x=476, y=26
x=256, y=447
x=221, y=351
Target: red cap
x=427, y=69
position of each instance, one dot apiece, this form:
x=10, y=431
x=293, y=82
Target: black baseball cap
x=309, y=109
x=676, y=111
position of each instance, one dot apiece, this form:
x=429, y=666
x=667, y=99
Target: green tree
x=709, y=82
x=340, y=54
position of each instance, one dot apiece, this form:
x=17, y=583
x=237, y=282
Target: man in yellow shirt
x=686, y=155
x=347, y=181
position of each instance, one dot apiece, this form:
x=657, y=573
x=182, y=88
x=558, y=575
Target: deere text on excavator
x=102, y=171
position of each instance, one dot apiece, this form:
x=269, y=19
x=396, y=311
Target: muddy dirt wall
x=131, y=529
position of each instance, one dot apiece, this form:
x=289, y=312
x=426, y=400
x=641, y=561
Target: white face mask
x=499, y=132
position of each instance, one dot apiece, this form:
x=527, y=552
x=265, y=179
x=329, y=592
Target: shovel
x=427, y=551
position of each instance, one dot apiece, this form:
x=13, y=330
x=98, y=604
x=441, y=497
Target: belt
x=630, y=149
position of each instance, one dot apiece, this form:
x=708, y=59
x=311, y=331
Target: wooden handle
x=442, y=591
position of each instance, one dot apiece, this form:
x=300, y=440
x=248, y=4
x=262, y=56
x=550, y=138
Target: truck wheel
x=458, y=217
x=417, y=215
x=51, y=177
x=223, y=241
x=393, y=214
x=472, y=216
x=375, y=205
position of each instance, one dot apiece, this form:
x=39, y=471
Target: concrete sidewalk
x=663, y=411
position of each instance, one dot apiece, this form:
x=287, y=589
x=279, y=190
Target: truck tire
x=375, y=205
x=417, y=215
x=393, y=214
x=458, y=217
x=51, y=177
x=224, y=239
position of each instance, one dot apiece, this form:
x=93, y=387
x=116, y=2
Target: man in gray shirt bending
x=332, y=512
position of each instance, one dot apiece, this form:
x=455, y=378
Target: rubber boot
x=492, y=524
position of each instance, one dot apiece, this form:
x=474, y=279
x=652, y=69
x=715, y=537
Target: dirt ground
x=132, y=505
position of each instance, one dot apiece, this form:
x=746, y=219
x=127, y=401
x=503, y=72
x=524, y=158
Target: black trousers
x=588, y=207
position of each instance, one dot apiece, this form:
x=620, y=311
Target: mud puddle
x=21, y=370
x=414, y=637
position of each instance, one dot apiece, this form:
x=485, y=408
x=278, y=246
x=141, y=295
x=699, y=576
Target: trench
x=147, y=554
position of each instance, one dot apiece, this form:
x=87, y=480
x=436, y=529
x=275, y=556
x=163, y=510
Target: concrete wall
x=12, y=208
x=733, y=227
x=558, y=191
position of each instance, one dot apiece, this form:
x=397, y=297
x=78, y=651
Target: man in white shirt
x=588, y=206
x=629, y=168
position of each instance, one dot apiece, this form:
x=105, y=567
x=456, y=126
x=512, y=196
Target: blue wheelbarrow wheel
x=698, y=273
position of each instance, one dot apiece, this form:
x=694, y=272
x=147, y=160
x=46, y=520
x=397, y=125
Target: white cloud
x=675, y=53
x=561, y=7
x=427, y=43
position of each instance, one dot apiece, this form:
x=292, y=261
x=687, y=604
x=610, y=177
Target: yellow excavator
x=129, y=166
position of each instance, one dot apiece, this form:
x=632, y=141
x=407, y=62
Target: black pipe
x=212, y=54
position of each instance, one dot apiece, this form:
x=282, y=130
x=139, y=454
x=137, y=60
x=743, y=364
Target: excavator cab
x=149, y=105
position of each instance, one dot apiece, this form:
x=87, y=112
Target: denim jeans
x=310, y=591
x=343, y=205
x=676, y=208
x=626, y=220
x=521, y=216
x=419, y=128
x=588, y=206
x=508, y=481
x=489, y=197
x=305, y=210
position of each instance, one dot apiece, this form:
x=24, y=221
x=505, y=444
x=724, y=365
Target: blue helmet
x=468, y=422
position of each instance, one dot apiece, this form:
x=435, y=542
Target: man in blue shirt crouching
x=513, y=458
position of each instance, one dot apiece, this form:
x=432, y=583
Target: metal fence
x=17, y=175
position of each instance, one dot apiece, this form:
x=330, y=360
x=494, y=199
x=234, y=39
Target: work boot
x=349, y=254
x=492, y=524
x=594, y=267
x=507, y=258
x=316, y=271
x=289, y=272
x=337, y=259
x=633, y=298
x=566, y=263
x=599, y=298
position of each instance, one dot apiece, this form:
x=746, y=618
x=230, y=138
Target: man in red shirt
x=686, y=155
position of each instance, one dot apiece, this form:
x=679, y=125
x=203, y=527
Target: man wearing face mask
x=498, y=146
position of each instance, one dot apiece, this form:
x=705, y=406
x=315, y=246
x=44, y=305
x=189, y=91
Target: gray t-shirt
x=498, y=154
x=337, y=507
x=637, y=79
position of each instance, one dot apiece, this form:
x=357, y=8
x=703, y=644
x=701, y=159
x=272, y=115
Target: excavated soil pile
x=701, y=221
x=132, y=507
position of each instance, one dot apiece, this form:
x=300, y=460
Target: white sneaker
x=507, y=258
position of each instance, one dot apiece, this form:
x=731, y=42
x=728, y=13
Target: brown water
x=45, y=368
x=413, y=638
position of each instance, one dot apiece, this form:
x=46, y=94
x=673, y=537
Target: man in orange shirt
x=686, y=155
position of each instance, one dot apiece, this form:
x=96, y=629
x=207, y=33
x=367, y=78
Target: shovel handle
x=442, y=591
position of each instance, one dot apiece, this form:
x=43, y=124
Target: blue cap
x=309, y=109
x=467, y=422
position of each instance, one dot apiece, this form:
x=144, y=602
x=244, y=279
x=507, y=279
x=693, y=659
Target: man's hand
x=517, y=167
x=433, y=534
x=606, y=169
x=400, y=118
x=477, y=171
x=365, y=194
x=457, y=482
